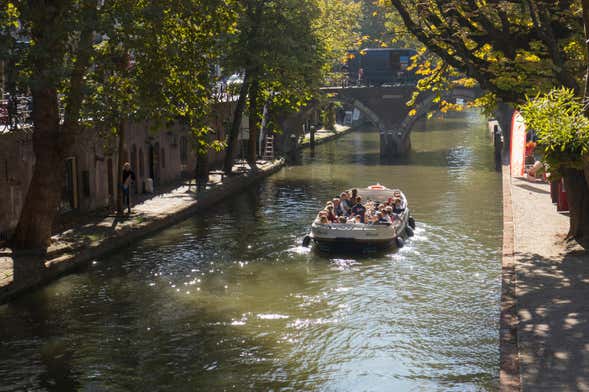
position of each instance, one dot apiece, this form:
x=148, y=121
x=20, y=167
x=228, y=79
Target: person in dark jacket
x=128, y=178
x=358, y=209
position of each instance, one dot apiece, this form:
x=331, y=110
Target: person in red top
x=530, y=147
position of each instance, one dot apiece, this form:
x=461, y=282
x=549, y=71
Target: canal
x=229, y=300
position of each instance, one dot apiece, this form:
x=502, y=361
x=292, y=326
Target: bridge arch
x=386, y=108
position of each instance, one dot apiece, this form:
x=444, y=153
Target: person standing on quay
x=128, y=177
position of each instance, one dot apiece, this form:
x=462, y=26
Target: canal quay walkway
x=545, y=296
x=325, y=135
x=97, y=235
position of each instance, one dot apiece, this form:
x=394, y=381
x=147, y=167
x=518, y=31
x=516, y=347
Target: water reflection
x=231, y=301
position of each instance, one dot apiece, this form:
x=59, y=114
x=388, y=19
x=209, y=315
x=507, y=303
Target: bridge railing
x=349, y=83
x=337, y=79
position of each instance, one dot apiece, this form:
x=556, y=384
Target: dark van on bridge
x=380, y=66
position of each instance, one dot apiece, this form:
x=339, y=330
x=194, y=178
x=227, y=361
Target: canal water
x=229, y=300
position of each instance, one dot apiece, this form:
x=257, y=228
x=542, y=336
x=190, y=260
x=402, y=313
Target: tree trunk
x=50, y=140
x=235, y=126
x=330, y=117
x=120, y=162
x=504, y=115
x=252, y=153
x=578, y=199
x=202, y=170
x=42, y=200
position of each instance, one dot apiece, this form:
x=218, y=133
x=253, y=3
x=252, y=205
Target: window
x=134, y=157
x=404, y=62
x=86, y=183
x=141, y=170
x=110, y=177
x=183, y=150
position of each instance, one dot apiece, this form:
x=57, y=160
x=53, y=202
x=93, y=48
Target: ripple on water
x=230, y=300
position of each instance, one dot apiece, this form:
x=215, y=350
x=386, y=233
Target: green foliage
x=8, y=24
x=154, y=64
x=8, y=44
x=338, y=29
x=328, y=117
x=144, y=60
x=383, y=27
x=277, y=45
x=510, y=48
x=561, y=125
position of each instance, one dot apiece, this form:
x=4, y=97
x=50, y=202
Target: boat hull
x=354, y=245
x=347, y=237
x=335, y=237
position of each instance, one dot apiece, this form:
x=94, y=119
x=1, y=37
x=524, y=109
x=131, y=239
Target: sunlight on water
x=231, y=300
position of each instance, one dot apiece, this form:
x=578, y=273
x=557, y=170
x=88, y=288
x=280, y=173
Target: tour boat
x=365, y=237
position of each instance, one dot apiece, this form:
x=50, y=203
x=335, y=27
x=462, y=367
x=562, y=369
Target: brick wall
x=165, y=154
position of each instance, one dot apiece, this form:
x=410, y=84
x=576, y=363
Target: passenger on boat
x=370, y=215
x=337, y=206
x=357, y=219
x=342, y=219
x=324, y=220
x=354, y=194
x=358, y=209
x=388, y=211
x=330, y=214
x=381, y=219
x=321, y=214
x=345, y=203
x=398, y=209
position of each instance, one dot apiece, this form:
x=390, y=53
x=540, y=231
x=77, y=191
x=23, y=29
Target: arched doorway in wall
x=183, y=151
x=110, y=180
x=134, y=164
x=125, y=158
x=150, y=170
x=154, y=162
x=69, y=196
x=141, y=170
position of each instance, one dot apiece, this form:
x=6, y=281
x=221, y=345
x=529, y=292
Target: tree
x=373, y=25
x=559, y=119
x=172, y=43
x=510, y=48
x=60, y=41
x=155, y=65
x=279, y=53
x=338, y=29
x=513, y=50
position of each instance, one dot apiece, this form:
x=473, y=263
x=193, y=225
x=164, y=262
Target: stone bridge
x=386, y=108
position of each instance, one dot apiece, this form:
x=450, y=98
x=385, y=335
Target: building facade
x=157, y=157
